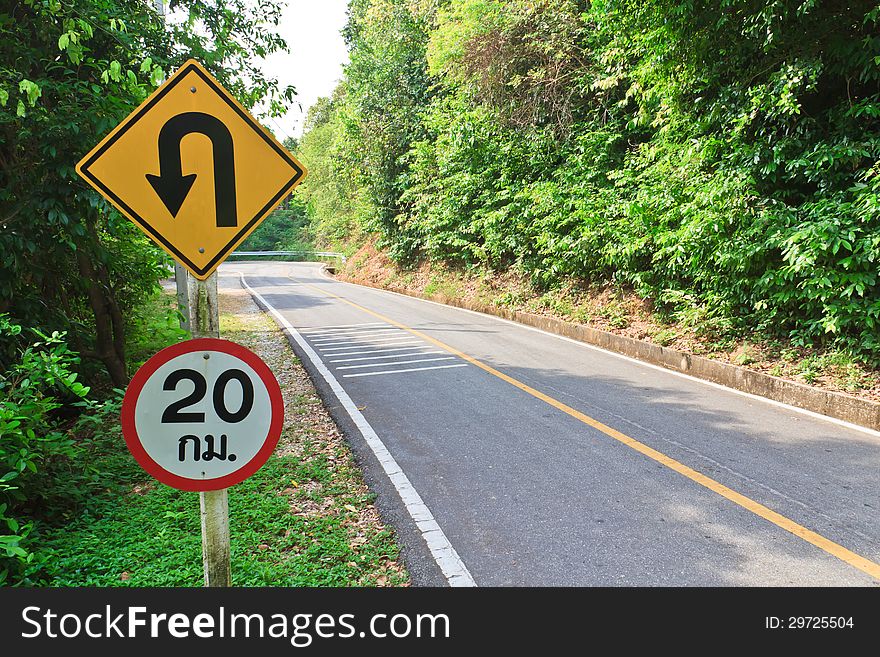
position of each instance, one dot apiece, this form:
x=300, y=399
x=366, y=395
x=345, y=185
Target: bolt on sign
x=192, y=169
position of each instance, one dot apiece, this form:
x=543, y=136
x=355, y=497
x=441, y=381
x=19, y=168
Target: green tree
x=721, y=158
x=386, y=86
x=69, y=72
x=334, y=201
x=283, y=230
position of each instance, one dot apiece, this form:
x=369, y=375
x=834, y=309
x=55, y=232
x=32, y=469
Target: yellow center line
x=824, y=544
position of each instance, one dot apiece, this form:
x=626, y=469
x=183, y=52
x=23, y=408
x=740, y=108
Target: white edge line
x=403, y=362
x=803, y=411
x=408, y=369
x=444, y=554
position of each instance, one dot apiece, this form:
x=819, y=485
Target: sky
x=314, y=64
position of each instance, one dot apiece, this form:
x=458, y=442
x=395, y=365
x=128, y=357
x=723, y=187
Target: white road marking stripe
x=403, y=362
x=587, y=345
x=355, y=336
x=365, y=344
x=381, y=351
x=413, y=353
x=411, y=369
x=444, y=554
x=396, y=342
x=344, y=334
x=341, y=327
x=418, y=345
x=365, y=338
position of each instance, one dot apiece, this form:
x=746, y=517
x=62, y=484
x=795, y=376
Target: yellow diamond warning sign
x=192, y=169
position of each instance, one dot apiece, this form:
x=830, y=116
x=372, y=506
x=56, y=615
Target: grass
x=155, y=326
x=151, y=535
x=304, y=519
x=665, y=337
x=448, y=286
x=837, y=366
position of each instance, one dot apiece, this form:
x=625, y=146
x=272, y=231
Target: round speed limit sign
x=202, y=414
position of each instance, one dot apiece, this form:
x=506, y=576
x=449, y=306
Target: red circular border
x=129, y=402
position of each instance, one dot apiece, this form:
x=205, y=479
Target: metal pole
x=204, y=322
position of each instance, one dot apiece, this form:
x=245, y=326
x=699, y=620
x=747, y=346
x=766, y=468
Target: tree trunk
x=105, y=329
x=117, y=321
x=112, y=305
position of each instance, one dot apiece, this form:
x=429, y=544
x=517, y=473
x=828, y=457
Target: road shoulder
x=415, y=555
x=326, y=488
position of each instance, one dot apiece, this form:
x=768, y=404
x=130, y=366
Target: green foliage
x=283, y=230
x=59, y=450
x=377, y=113
x=722, y=158
x=153, y=534
x=69, y=72
x=129, y=530
x=36, y=384
x=154, y=325
x=334, y=202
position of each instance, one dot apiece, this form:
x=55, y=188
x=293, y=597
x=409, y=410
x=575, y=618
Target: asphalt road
x=548, y=462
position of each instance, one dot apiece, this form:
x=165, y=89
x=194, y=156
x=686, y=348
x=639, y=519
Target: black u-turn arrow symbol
x=173, y=187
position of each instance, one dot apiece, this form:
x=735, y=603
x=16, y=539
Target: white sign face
x=201, y=415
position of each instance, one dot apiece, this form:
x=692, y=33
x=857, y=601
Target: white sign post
x=203, y=415
x=198, y=208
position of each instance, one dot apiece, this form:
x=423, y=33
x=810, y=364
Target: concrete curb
x=838, y=405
